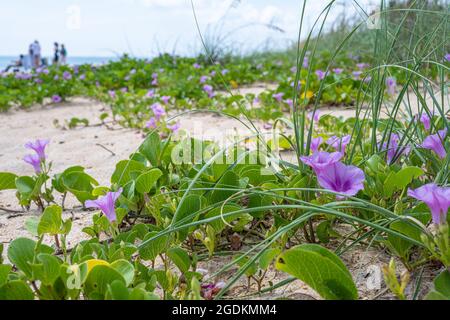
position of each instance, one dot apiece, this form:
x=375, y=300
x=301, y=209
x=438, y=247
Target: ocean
x=7, y=60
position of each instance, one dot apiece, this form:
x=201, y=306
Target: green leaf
x=228, y=180
x=151, y=148
x=47, y=270
x=153, y=248
x=124, y=169
x=146, y=181
x=125, y=268
x=80, y=184
x=267, y=257
x=441, y=287
x=321, y=269
x=98, y=280
x=51, y=221
x=16, y=290
x=25, y=185
x=4, y=272
x=7, y=181
x=21, y=254
x=401, y=179
x=180, y=257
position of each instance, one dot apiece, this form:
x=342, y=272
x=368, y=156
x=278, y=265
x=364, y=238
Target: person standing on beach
x=56, y=54
x=31, y=54
x=36, y=54
x=63, y=54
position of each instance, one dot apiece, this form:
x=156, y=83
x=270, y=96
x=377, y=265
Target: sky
x=147, y=27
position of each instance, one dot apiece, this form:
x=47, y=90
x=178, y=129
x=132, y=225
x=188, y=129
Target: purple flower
x=212, y=73
x=315, y=144
x=203, y=79
x=425, y=119
x=82, y=77
x=56, y=77
x=124, y=90
x=391, y=83
x=294, y=69
x=225, y=71
x=112, y=94
x=154, y=75
x=196, y=66
x=320, y=74
x=165, y=99
x=38, y=146
x=338, y=70
x=339, y=144
x=174, y=127
x=256, y=100
x=314, y=115
x=209, y=90
x=150, y=94
x=151, y=124
x=158, y=110
x=267, y=126
x=393, y=148
x=289, y=102
x=357, y=75
x=56, y=98
x=305, y=62
x=321, y=160
x=436, y=198
x=67, y=75
x=435, y=142
x=278, y=96
x=340, y=178
x=361, y=65
x=106, y=204
x=447, y=57
x=34, y=160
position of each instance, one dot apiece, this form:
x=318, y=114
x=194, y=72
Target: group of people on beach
x=34, y=57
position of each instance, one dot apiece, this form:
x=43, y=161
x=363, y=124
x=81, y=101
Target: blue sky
x=146, y=27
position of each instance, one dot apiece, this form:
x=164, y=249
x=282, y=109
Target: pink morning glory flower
x=151, y=124
x=34, y=160
x=174, y=127
x=391, y=83
x=112, y=94
x=305, y=62
x=158, y=110
x=426, y=121
x=38, y=146
x=340, y=178
x=320, y=74
x=106, y=204
x=314, y=115
x=209, y=90
x=357, y=75
x=165, y=99
x=436, y=198
x=361, y=65
x=278, y=96
x=315, y=144
x=67, y=75
x=339, y=144
x=435, y=142
x=289, y=102
x=394, y=149
x=56, y=98
x=321, y=160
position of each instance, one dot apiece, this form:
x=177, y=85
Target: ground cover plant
x=378, y=179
